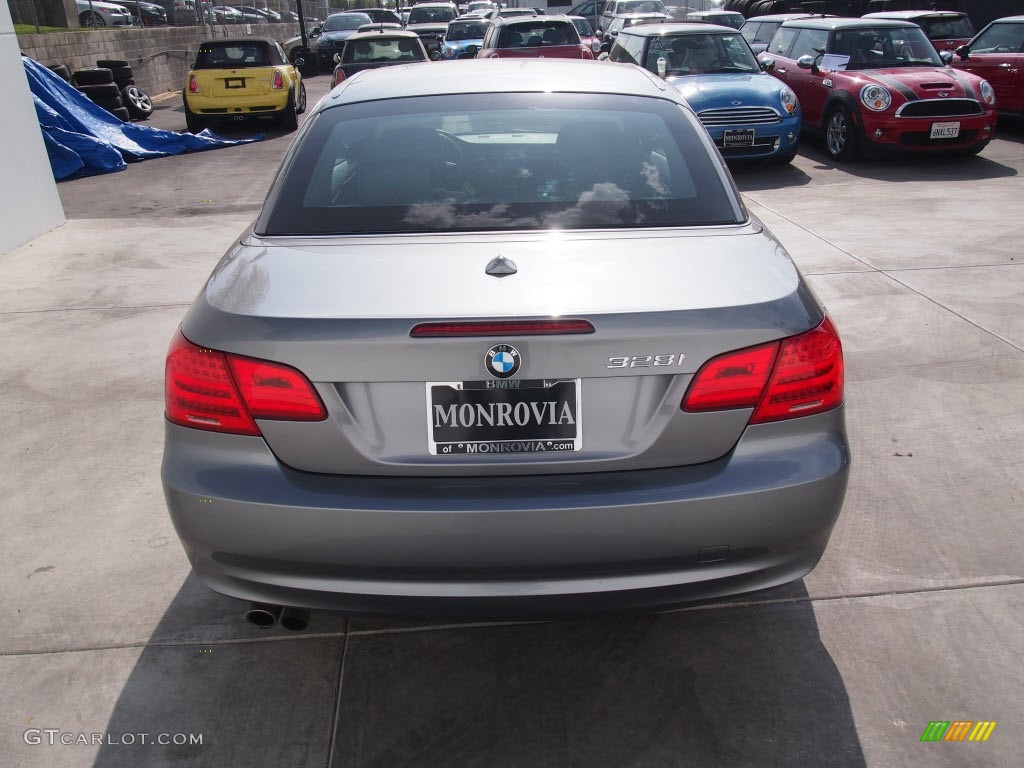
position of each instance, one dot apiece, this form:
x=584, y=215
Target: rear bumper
x=500, y=546
x=229, y=106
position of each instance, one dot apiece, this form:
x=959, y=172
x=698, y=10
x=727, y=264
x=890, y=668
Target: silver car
x=503, y=340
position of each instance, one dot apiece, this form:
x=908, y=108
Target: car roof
x=238, y=41
x=790, y=16
x=918, y=14
x=698, y=28
x=526, y=19
x=1010, y=19
x=635, y=15
x=485, y=76
x=844, y=23
x=392, y=34
x=714, y=13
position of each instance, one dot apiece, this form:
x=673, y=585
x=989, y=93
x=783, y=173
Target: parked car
x=244, y=78
x=336, y=29
x=613, y=8
x=758, y=31
x=461, y=363
x=463, y=34
x=879, y=85
x=145, y=14
x=225, y=14
x=271, y=17
x=997, y=54
x=625, y=20
x=725, y=18
x=480, y=5
x=430, y=21
x=376, y=49
x=508, y=13
x=380, y=15
x=102, y=14
x=550, y=37
x=588, y=36
x=748, y=113
x=947, y=30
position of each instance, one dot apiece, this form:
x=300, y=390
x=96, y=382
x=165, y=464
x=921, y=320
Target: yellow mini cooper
x=240, y=79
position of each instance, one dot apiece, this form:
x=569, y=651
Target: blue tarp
x=83, y=139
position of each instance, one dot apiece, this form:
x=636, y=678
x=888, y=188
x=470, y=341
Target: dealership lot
x=914, y=614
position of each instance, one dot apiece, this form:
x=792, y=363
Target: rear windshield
x=419, y=15
x=941, y=29
x=233, y=56
x=383, y=50
x=466, y=30
x=537, y=34
x=640, y=6
x=479, y=162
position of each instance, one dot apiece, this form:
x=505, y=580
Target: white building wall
x=29, y=203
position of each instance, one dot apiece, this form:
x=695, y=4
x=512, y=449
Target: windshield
x=504, y=161
x=420, y=15
x=583, y=27
x=701, y=55
x=1000, y=38
x=232, y=56
x=885, y=47
x=342, y=21
x=640, y=6
x=466, y=30
x=942, y=29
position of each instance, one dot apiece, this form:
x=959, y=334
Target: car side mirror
x=314, y=33
x=337, y=58
x=435, y=55
x=194, y=65
x=472, y=50
x=606, y=47
x=299, y=62
x=963, y=52
x=807, y=62
x=946, y=56
x=766, y=64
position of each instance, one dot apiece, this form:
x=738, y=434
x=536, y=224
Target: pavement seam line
x=90, y=309
x=347, y=633
x=336, y=720
x=953, y=312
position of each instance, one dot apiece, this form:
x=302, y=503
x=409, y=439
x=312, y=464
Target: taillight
x=798, y=376
x=338, y=77
x=502, y=328
x=193, y=84
x=278, y=81
x=587, y=53
x=207, y=389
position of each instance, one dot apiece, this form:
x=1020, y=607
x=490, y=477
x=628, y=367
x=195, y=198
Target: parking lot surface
x=915, y=614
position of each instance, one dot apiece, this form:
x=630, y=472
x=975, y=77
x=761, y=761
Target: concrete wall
x=29, y=204
x=159, y=56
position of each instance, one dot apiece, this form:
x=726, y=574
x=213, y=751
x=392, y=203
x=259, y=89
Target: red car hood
x=925, y=82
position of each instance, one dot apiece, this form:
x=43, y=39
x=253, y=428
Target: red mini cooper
x=544, y=37
x=997, y=54
x=875, y=85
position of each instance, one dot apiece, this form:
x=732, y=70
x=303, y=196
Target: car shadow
x=903, y=168
x=737, y=685
x=756, y=176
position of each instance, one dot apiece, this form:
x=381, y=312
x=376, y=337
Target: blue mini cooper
x=749, y=113
x=461, y=34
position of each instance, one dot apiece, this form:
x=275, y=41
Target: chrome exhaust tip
x=263, y=615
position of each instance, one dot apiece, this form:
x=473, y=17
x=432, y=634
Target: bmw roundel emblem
x=502, y=360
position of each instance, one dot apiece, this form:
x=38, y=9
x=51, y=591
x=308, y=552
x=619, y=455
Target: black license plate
x=234, y=82
x=743, y=137
x=504, y=416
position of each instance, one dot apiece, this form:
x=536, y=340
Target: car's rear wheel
x=193, y=122
x=301, y=107
x=289, y=116
x=841, y=134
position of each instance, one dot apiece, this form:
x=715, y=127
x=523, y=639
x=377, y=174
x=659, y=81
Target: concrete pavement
x=914, y=614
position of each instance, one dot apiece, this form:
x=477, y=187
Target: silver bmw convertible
x=503, y=340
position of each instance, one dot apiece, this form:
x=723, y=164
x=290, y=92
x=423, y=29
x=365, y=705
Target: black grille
x=922, y=139
x=739, y=116
x=940, y=108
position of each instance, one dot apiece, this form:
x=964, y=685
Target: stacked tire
x=752, y=8
x=111, y=85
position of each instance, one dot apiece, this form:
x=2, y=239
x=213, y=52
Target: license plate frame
x=950, y=130
x=546, y=429
x=234, y=82
x=738, y=137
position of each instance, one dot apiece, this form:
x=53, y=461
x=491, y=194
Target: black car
x=338, y=28
x=145, y=14
x=372, y=50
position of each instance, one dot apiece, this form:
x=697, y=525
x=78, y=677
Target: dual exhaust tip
x=266, y=615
